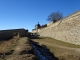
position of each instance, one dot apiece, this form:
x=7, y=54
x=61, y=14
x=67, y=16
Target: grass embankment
x=6, y=46
x=62, y=50
x=58, y=42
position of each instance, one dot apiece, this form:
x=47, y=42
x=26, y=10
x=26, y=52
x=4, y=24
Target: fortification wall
x=12, y=32
x=67, y=29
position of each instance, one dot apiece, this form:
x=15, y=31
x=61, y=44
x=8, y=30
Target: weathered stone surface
x=67, y=29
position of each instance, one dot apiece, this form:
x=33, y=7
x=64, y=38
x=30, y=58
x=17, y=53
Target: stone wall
x=12, y=32
x=67, y=29
x=49, y=23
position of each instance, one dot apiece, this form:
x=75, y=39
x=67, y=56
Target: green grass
x=59, y=42
x=61, y=53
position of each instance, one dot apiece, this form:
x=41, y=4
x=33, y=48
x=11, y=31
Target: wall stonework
x=12, y=32
x=67, y=29
x=49, y=23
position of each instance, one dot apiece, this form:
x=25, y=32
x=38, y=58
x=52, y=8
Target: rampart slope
x=67, y=29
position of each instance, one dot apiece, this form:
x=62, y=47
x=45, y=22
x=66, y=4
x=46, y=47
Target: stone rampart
x=67, y=29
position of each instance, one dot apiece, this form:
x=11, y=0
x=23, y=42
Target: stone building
x=37, y=27
x=13, y=32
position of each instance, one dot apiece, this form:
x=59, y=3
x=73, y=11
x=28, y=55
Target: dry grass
x=58, y=42
x=6, y=46
x=22, y=51
x=62, y=50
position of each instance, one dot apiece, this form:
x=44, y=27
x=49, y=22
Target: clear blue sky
x=26, y=13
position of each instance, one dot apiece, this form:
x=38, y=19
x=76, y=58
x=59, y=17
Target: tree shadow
x=35, y=37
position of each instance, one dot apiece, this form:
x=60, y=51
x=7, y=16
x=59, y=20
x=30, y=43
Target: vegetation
x=55, y=16
x=58, y=42
x=62, y=50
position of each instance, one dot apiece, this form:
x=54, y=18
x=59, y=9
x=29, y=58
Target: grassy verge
x=58, y=42
x=63, y=49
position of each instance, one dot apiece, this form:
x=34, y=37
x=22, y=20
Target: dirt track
x=22, y=51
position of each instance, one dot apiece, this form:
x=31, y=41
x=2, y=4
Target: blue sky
x=26, y=13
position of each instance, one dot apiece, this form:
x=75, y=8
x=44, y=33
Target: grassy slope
x=57, y=51
x=58, y=42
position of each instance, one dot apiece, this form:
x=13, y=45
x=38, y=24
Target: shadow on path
x=41, y=51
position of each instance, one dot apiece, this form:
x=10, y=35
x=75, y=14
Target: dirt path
x=21, y=46
x=23, y=51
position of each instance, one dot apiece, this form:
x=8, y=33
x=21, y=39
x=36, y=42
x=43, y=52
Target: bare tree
x=55, y=16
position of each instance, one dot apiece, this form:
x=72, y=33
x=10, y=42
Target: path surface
x=23, y=51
